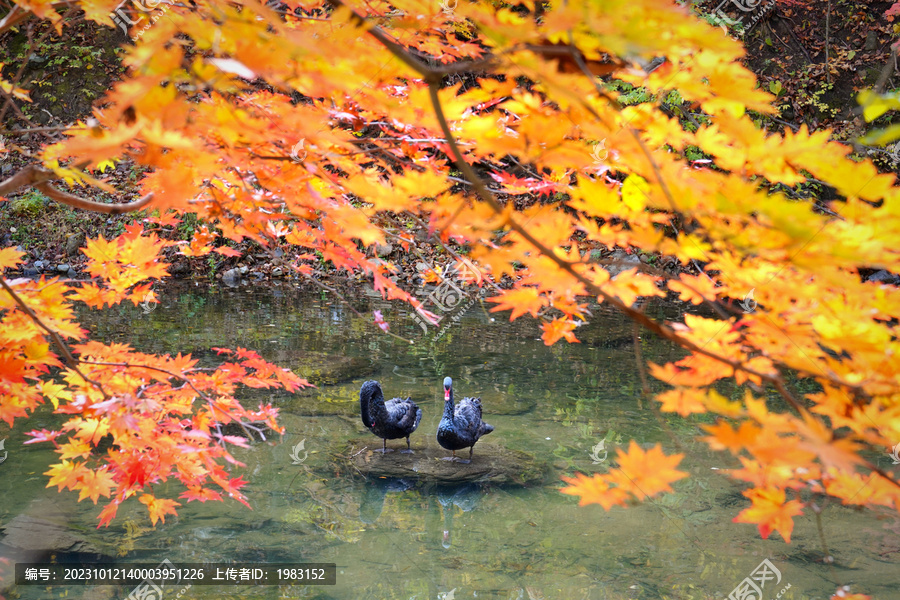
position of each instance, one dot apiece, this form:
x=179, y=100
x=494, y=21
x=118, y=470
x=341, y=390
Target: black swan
x=389, y=420
x=461, y=426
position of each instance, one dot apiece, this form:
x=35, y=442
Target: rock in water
x=492, y=464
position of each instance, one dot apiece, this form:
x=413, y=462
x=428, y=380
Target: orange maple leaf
x=520, y=301
x=558, y=328
x=108, y=514
x=200, y=243
x=10, y=257
x=841, y=594
x=227, y=251
x=159, y=507
x=724, y=436
x=648, y=473
x=126, y=260
x=595, y=490
x=684, y=401
x=695, y=289
x=94, y=484
x=201, y=494
x=89, y=430
x=770, y=512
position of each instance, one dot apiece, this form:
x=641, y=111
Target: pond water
x=410, y=539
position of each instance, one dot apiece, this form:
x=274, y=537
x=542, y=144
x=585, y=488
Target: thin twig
x=131, y=366
x=827, y=42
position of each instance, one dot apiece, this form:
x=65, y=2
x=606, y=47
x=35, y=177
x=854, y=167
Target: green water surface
x=408, y=540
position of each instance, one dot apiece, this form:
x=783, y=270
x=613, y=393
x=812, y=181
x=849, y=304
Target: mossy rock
x=508, y=404
x=323, y=403
x=321, y=369
x=490, y=463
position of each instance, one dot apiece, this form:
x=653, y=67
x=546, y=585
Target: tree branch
x=38, y=177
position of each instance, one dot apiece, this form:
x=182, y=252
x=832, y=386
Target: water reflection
x=375, y=491
x=462, y=496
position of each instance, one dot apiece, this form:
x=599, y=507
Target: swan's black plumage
x=389, y=420
x=461, y=426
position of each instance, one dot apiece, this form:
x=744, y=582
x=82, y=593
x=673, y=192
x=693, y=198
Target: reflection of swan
x=373, y=500
x=465, y=496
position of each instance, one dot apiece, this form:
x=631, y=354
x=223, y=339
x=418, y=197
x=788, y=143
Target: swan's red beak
x=446, y=394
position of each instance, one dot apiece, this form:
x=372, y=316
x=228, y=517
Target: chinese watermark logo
x=599, y=152
x=596, y=450
x=747, y=7
x=122, y=20
x=447, y=296
x=748, y=303
x=149, y=303
x=298, y=152
x=149, y=590
x=894, y=455
x=752, y=587
x=448, y=6
x=295, y=453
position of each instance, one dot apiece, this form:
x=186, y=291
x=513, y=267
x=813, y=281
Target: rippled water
x=409, y=539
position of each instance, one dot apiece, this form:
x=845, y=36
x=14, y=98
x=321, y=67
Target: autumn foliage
x=487, y=124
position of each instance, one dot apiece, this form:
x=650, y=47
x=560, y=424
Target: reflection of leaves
x=132, y=532
x=564, y=453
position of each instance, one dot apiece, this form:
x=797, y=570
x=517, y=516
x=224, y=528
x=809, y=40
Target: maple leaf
x=770, y=512
x=201, y=494
x=89, y=430
x=200, y=243
x=844, y=595
x=107, y=514
x=75, y=449
x=228, y=251
x=650, y=472
x=379, y=320
x=684, y=401
x=558, y=328
x=595, y=490
x=158, y=507
x=520, y=301
x=94, y=484
x=10, y=257
x=126, y=260
x=43, y=435
x=695, y=288
x=66, y=474
x=724, y=436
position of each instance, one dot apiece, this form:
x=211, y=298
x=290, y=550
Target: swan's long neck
x=371, y=405
x=448, y=404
